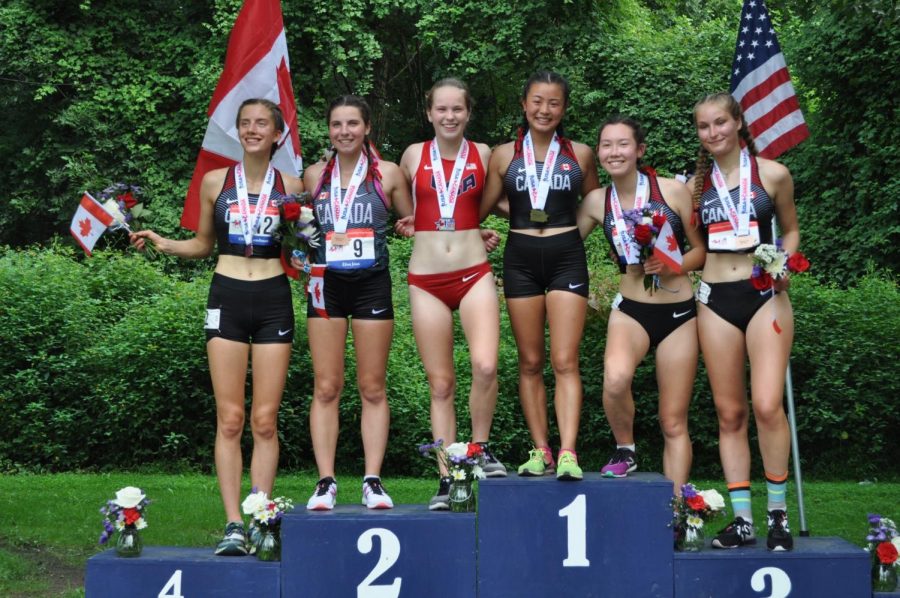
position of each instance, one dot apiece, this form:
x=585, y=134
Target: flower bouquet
x=464, y=462
x=124, y=514
x=771, y=263
x=298, y=229
x=883, y=544
x=691, y=511
x=644, y=225
x=266, y=514
x=123, y=201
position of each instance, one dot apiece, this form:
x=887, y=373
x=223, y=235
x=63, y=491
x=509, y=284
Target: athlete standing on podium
x=449, y=270
x=545, y=278
x=641, y=319
x=354, y=192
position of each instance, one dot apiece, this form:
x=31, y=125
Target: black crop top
x=226, y=221
x=562, y=199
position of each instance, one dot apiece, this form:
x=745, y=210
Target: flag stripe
x=765, y=87
x=769, y=102
x=758, y=75
x=785, y=142
x=759, y=125
x=96, y=210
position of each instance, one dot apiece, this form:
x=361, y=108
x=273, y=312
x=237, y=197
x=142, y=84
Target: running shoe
x=536, y=466
x=620, y=464
x=737, y=533
x=441, y=500
x=780, y=538
x=234, y=543
x=253, y=536
x=323, y=498
x=567, y=468
x=493, y=468
x=374, y=496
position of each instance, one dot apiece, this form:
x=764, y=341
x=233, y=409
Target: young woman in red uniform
x=545, y=279
x=249, y=312
x=737, y=194
x=354, y=192
x=640, y=320
x=449, y=270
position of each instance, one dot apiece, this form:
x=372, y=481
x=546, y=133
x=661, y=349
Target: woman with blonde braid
x=737, y=195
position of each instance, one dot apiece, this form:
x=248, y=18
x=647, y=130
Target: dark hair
x=637, y=130
x=449, y=82
x=274, y=112
x=551, y=78
x=733, y=107
x=373, y=175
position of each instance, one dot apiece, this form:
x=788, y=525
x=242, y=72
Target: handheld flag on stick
x=256, y=66
x=666, y=248
x=89, y=222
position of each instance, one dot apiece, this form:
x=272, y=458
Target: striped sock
x=776, y=485
x=739, y=492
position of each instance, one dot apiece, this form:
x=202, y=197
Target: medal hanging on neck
x=739, y=233
x=539, y=188
x=623, y=240
x=341, y=206
x=447, y=191
x=249, y=224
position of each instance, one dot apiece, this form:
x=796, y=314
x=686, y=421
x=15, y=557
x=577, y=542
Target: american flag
x=761, y=83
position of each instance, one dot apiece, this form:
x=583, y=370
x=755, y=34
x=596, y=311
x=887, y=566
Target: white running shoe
x=323, y=498
x=374, y=495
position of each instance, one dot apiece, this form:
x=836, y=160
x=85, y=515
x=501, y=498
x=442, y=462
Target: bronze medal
x=539, y=216
x=339, y=239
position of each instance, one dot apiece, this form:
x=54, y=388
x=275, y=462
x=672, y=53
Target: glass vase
x=462, y=496
x=129, y=543
x=690, y=539
x=269, y=546
x=884, y=578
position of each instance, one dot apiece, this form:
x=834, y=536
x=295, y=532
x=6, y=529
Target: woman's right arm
x=591, y=211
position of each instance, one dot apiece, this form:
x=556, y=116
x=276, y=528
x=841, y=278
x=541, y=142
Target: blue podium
x=353, y=552
x=816, y=568
x=161, y=572
x=597, y=537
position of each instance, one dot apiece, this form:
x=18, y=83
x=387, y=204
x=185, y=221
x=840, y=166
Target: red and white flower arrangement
x=644, y=225
x=126, y=510
x=266, y=512
x=298, y=229
x=463, y=460
x=771, y=263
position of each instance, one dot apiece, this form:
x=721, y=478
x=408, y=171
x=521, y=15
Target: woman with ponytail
x=354, y=192
x=542, y=175
x=642, y=319
x=737, y=195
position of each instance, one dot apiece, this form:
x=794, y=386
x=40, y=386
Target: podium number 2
x=173, y=586
x=781, y=583
x=390, y=552
x=576, y=532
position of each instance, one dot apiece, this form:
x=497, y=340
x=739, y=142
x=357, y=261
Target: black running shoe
x=493, y=468
x=780, y=538
x=441, y=500
x=737, y=533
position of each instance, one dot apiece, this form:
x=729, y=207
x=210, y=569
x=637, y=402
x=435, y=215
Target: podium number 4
x=575, y=514
x=390, y=552
x=781, y=583
x=173, y=586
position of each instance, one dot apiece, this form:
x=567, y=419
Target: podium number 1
x=576, y=532
x=390, y=552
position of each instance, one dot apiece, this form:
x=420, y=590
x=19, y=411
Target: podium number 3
x=390, y=552
x=173, y=586
x=575, y=514
x=781, y=583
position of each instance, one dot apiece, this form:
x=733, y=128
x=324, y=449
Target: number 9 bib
x=358, y=253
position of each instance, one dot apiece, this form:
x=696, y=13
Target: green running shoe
x=536, y=466
x=567, y=469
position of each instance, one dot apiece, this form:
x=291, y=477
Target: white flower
x=255, y=503
x=647, y=220
x=306, y=215
x=477, y=472
x=129, y=497
x=458, y=474
x=776, y=267
x=713, y=499
x=695, y=522
x=140, y=523
x=458, y=449
x=111, y=207
x=896, y=542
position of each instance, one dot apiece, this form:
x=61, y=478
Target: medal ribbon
x=341, y=207
x=739, y=217
x=448, y=193
x=248, y=226
x=641, y=196
x=539, y=189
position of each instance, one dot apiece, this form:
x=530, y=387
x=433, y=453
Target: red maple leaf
x=672, y=243
x=85, y=226
x=317, y=292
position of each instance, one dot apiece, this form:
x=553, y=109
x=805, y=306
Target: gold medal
x=539, y=216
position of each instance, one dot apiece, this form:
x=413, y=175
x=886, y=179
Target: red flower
x=658, y=220
x=696, y=503
x=643, y=234
x=128, y=199
x=131, y=516
x=797, y=262
x=475, y=450
x=763, y=282
x=887, y=553
x=291, y=211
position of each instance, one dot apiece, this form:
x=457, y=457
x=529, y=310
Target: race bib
x=722, y=237
x=617, y=301
x=265, y=230
x=703, y=293
x=213, y=317
x=357, y=253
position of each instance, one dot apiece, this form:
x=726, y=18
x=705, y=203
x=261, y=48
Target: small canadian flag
x=316, y=289
x=666, y=248
x=89, y=222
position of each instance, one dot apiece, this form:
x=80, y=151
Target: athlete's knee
x=531, y=364
x=616, y=383
x=673, y=426
x=442, y=388
x=264, y=425
x=564, y=363
x=484, y=371
x=372, y=390
x=327, y=391
x=769, y=413
x=732, y=418
x=230, y=423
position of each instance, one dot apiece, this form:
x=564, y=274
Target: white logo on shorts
x=575, y=286
x=469, y=277
x=375, y=312
x=283, y=332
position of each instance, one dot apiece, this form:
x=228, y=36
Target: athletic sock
x=776, y=485
x=630, y=447
x=371, y=476
x=548, y=454
x=739, y=492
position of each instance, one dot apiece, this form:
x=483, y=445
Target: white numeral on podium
x=173, y=585
x=576, y=532
x=390, y=552
x=781, y=583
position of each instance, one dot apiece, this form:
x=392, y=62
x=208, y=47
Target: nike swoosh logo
x=375, y=312
x=469, y=277
x=283, y=332
x=521, y=170
x=427, y=167
x=575, y=286
x=677, y=315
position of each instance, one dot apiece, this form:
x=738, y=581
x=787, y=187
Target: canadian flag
x=256, y=66
x=316, y=289
x=666, y=248
x=89, y=222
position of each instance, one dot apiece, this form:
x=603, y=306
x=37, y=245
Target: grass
x=51, y=522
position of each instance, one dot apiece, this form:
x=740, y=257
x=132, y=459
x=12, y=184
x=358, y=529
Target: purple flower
x=874, y=519
x=757, y=271
x=688, y=491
